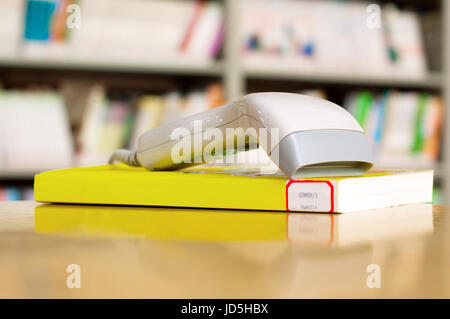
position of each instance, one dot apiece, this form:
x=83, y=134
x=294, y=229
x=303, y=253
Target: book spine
x=217, y=43
x=199, y=7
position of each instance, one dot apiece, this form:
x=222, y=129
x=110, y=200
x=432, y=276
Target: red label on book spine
x=310, y=195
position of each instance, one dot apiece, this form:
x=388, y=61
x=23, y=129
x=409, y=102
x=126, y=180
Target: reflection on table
x=194, y=253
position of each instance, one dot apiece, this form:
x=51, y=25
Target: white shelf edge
x=165, y=67
x=4, y=175
x=431, y=80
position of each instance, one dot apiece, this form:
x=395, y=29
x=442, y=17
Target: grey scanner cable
x=125, y=156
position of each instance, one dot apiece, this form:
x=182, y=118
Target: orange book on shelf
x=215, y=95
x=433, y=141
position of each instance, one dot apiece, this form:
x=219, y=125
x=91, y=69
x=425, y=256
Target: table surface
x=134, y=252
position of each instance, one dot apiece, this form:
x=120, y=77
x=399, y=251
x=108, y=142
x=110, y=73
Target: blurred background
x=81, y=78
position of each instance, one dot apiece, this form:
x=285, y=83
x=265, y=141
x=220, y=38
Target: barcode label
x=311, y=196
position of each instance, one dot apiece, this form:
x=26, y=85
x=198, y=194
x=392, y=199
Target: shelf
x=191, y=68
x=432, y=81
x=176, y=67
x=22, y=176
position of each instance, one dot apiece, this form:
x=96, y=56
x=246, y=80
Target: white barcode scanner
x=315, y=137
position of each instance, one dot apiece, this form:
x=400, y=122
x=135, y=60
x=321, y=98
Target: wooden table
x=139, y=252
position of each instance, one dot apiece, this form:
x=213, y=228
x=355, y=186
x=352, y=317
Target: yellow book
x=232, y=189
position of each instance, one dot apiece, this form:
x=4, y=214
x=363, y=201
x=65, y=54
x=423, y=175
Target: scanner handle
x=156, y=147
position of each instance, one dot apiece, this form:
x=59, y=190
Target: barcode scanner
x=304, y=136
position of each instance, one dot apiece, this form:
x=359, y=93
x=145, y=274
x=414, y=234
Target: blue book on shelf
x=381, y=109
x=12, y=193
x=38, y=20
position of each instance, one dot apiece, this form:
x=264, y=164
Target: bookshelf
x=445, y=91
x=159, y=67
x=235, y=77
x=430, y=81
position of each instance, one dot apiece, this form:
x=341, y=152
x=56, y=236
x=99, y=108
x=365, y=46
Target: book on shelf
x=108, y=124
x=404, y=40
x=9, y=193
x=232, y=188
x=34, y=132
x=105, y=126
x=91, y=126
x=148, y=116
x=136, y=31
x=116, y=127
x=11, y=27
x=203, y=35
x=294, y=38
x=404, y=128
